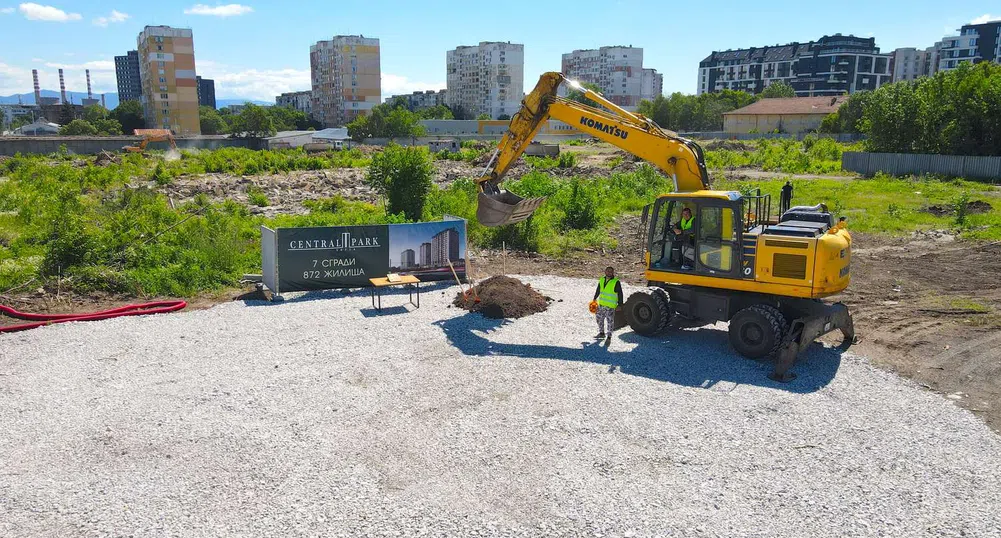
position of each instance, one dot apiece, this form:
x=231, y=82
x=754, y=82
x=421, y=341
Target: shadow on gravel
x=255, y=299
x=692, y=358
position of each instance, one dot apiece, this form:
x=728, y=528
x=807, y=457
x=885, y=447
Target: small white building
x=449, y=145
x=38, y=128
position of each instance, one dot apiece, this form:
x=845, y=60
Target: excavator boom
x=681, y=159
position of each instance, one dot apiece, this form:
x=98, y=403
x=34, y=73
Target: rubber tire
x=783, y=322
x=648, y=312
x=757, y=331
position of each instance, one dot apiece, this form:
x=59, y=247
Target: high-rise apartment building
x=127, y=73
x=167, y=71
x=420, y=100
x=488, y=78
x=618, y=72
x=301, y=101
x=445, y=247
x=407, y=258
x=425, y=254
x=206, y=92
x=975, y=43
x=833, y=65
x=346, y=76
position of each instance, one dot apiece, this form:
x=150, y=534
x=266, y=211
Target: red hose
x=40, y=320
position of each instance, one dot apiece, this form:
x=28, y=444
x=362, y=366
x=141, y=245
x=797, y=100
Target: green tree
x=210, y=120
x=831, y=124
x=287, y=118
x=130, y=115
x=403, y=175
x=93, y=113
x=386, y=121
x=778, y=89
x=78, y=128
x=890, y=119
x=66, y=115
x=253, y=122
x=437, y=112
x=504, y=117
x=579, y=96
x=483, y=116
x=850, y=112
x=108, y=127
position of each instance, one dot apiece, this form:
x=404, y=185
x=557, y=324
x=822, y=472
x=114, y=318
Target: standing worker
x=609, y=297
x=786, y=199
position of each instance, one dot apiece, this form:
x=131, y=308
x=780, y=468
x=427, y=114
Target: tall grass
x=811, y=156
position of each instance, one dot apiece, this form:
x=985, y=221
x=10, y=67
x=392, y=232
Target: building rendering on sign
x=301, y=101
x=485, y=79
x=420, y=100
x=618, y=72
x=833, y=65
x=206, y=92
x=127, y=74
x=445, y=247
x=425, y=254
x=346, y=78
x=975, y=43
x=407, y=259
x=169, y=84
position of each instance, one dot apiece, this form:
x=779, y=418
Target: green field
x=107, y=228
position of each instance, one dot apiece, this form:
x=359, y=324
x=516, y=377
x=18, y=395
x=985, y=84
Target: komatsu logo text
x=598, y=126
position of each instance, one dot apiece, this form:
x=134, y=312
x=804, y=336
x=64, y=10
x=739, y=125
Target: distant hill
x=110, y=99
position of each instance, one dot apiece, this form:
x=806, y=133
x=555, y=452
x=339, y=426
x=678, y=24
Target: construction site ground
x=927, y=306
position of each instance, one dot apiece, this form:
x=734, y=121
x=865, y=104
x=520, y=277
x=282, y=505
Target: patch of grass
x=615, y=161
x=812, y=156
x=257, y=197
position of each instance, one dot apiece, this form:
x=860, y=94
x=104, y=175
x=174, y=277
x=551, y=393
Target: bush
x=403, y=175
x=257, y=197
x=567, y=160
x=78, y=128
x=582, y=207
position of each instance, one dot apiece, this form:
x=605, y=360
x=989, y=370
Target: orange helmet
x=593, y=307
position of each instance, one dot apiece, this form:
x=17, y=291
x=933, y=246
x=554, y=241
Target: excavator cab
x=710, y=246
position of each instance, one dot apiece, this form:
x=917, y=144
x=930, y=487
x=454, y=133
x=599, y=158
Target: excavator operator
x=684, y=237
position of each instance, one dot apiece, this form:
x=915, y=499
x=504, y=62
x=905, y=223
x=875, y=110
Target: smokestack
x=62, y=86
x=38, y=89
x=102, y=102
x=89, y=95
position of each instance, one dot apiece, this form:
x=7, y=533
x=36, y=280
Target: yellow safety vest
x=686, y=224
x=608, y=298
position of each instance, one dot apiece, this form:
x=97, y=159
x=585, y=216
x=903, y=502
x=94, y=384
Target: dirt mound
x=972, y=208
x=732, y=145
x=503, y=297
x=104, y=159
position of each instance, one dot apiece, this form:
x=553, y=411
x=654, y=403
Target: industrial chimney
x=62, y=87
x=102, y=102
x=89, y=95
x=38, y=89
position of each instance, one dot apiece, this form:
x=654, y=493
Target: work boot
x=600, y=336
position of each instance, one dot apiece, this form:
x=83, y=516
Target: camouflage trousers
x=605, y=316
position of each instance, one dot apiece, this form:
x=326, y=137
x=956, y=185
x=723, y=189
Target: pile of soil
x=972, y=208
x=732, y=145
x=503, y=297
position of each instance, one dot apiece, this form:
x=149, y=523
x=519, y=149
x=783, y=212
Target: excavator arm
x=681, y=159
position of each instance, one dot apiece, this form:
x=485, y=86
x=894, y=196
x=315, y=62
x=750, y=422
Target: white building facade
x=618, y=72
x=301, y=101
x=488, y=78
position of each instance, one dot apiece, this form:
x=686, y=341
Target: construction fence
x=903, y=164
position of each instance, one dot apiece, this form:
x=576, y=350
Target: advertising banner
x=329, y=257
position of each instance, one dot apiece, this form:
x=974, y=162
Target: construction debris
x=503, y=297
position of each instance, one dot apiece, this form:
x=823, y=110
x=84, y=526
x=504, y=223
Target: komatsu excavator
x=732, y=262
x=151, y=135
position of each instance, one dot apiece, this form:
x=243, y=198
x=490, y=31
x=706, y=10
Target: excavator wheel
x=757, y=331
x=648, y=312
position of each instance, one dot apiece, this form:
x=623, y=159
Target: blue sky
x=259, y=49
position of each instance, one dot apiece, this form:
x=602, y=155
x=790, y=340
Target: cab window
x=715, y=238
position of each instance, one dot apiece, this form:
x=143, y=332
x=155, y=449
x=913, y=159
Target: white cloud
x=115, y=16
x=227, y=10
x=255, y=84
x=985, y=19
x=7, y=10
x=398, y=84
x=38, y=12
x=16, y=79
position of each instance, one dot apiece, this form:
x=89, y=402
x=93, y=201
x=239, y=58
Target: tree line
x=955, y=112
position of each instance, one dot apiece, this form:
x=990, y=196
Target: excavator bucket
x=504, y=207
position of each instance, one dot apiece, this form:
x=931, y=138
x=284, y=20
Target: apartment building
x=206, y=91
x=301, y=101
x=346, y=78
x=975, y=43
x=425, y=256
x=407, y=259
x=421, y=100
x=445, y=247
x=169, y=84
x=832, y=65
x=618, y=72
x=910, y=63
x=485, y=79
x=127, y=74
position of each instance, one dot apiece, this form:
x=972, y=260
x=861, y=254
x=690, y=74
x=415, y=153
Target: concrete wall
x=763, y=123
x=10, y=145
x=424, y=140
x=720, y=135
x=901, y=164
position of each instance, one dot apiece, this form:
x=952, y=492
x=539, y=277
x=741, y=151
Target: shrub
x=257, y=197
x=581, y=207
x=567, y=160
x=403, y=176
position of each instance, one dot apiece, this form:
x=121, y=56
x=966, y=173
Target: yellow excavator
x=151, y=135
x=730, y=261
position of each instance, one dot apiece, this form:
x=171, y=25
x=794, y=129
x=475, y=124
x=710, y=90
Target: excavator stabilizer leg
x=822, y=319
x=504, y=207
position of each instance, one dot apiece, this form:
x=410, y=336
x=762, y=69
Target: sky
x=256, y=50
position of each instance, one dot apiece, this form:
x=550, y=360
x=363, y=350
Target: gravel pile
x=321, y=417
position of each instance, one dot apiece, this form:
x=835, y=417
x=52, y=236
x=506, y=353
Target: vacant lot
x=318, y=416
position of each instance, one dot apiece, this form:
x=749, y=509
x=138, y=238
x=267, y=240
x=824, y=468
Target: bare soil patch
x=503, y=297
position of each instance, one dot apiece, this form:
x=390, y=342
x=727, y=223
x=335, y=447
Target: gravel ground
x=321, y=418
